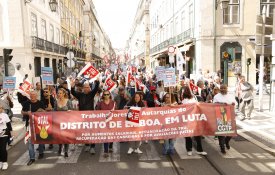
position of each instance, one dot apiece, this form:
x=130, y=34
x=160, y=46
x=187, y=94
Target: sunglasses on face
x=106, y=94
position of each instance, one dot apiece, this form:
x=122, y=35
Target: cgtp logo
x=223, y=120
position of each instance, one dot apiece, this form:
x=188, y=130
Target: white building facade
x=138, y=44
x=33, y=32
x=203, y=32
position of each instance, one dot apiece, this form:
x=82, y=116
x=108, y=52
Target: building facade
x=97, y=43
x=138, y=44
x=42, y=38
x=172, y=24
x=33, y=32
x=205, y=33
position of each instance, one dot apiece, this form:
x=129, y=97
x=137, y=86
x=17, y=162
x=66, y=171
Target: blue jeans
x=168, y=146
x=107, y=146
x=32, y=151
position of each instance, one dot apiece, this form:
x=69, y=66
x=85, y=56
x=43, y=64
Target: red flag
x=133, y=116
x=25, y=88
x=108, y=73
x=129, y=78
x=194, y=88
x=140, y=86
x=134, y=69
x=109, y=85
x=89, y=72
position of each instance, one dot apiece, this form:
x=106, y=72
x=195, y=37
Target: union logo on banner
x=89, y=72
x=133, y=116
x=109, y=85
x=43, y=129
x=223, y=118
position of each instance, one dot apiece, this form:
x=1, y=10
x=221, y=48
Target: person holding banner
x=5, y=131
x=63, y=104
x=189, y=98
x=135, y=102
x=106, y=104
x=224, y=98
x=86, y=103
x=168, y=146
x=33, y=105
x=48, y=100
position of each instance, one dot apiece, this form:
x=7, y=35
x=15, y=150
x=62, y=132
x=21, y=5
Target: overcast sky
x=116, y=18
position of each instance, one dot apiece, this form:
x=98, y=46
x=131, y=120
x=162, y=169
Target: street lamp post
x=261, y=68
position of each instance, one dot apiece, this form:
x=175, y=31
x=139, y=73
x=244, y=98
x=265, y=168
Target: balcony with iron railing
x=172, y=41
x=41, y=44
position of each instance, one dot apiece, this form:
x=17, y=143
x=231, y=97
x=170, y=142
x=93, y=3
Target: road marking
x=150, y=152
x=23, y=160
x=247, y=127
x=230, y=154
x=73, y=156
x=113, y=157
x=180, y=149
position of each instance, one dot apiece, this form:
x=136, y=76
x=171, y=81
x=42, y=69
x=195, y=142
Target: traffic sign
x=171, y=49
x=70, y=63
x=70, y=55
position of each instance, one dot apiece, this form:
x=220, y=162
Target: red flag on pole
x=129, y=78
x=109, y=85
x=89, y=72
x=194, y=88
x=108, y=73
x=140, y=86
x=25, y=88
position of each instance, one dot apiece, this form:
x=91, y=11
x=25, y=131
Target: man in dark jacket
x=122, y=98
x=153, y=99
x=86, y=103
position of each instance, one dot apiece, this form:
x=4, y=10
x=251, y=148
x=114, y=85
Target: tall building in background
x=33, y=31
x=206, y=32
x=97, y=43
x=41, y=37
x=138, y=44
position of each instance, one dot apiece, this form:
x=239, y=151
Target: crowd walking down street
x=131, y=87
x=152, y=150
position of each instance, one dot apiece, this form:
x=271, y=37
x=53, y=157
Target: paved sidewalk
x=18, y=127
x=260, y=130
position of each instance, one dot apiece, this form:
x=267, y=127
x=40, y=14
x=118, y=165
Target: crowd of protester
x=79, y=94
